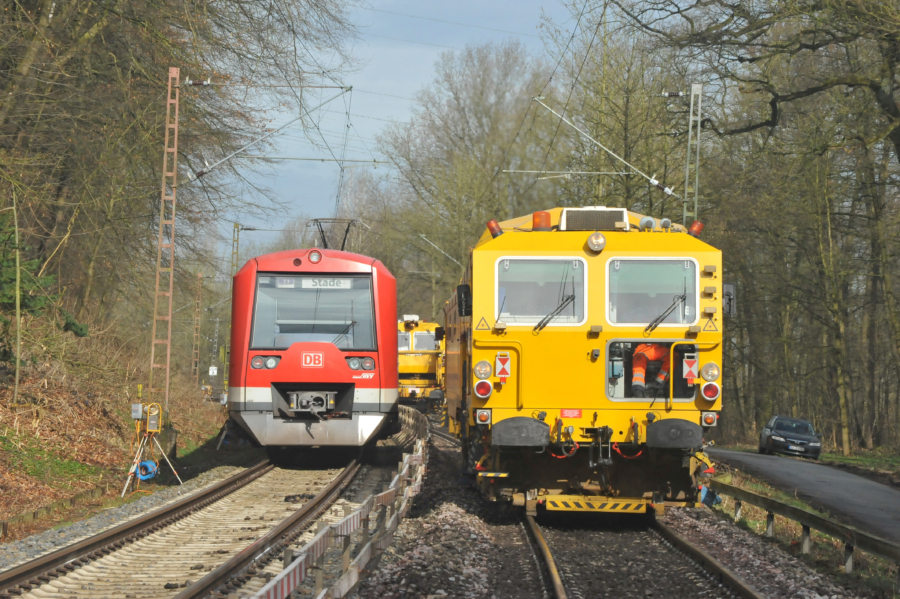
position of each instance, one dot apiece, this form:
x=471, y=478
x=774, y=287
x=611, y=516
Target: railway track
x=624, y=557
x=209, y=543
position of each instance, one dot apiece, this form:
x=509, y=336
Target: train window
x=424, y=341
x=637, y=370
x=531, y=289
x=402, y=341
x=641, y=290
x=295, y=309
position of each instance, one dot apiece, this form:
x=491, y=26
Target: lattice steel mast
x=165, y=254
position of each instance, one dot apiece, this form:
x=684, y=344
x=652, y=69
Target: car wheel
x=769, y=450
x=761, y=449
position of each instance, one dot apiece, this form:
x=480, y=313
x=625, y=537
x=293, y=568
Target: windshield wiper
x=567, y=299
x=658, y=320
x=343, y=333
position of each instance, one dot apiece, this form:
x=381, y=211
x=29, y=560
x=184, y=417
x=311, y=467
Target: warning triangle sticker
x=710, y=325
x=482, y=325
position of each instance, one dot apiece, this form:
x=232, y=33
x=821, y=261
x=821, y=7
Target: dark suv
x=790, y=436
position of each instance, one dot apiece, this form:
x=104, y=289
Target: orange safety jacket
x=643, y=353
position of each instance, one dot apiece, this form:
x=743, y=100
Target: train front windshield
x=332, y=309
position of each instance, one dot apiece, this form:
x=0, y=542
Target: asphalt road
x=851, y=499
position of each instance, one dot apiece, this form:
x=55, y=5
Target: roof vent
x=593, y=218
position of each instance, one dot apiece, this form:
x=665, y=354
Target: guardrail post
x=737, y=510
x=346, y=555
x=805, y=541
x=848, y=558
x=287, y=558
x=770, y=524
x=365, y=532
x=320, y=562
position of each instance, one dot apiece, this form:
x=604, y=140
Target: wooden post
x=770, y=524
x=287, y=558
x=737, y=510
x=805, y=541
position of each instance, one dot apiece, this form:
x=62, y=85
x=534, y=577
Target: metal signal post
x=165, y=255
x=694, y=118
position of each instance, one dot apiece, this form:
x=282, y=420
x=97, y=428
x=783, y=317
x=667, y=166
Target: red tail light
x=483, y=389
x=540, y=221
x=711, y=391
x=695, y=229
x=494, y=227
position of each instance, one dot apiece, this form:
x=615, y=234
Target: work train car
x=583, y=358
x=314, y=348
x=420, y=347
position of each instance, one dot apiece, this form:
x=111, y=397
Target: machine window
x=402, y=341
x=641, y=290
x=424, y=341
x=330, y=309
x=639, y=370
x=530, y=290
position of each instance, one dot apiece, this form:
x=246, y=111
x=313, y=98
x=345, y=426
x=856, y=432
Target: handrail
x=852, y=537
x=516, y=347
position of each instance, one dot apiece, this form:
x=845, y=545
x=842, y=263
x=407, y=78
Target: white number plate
x=329, y=283
x=795, y=448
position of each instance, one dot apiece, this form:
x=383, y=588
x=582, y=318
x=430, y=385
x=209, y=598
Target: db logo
x=312, y=359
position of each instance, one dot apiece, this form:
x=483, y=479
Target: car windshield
x=641, y=290
x=424, y=341
x=796, y=427
x=402, y=341
x=329, y=309
x=529, y=290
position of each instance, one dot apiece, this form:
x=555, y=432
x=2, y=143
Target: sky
x=399, y=43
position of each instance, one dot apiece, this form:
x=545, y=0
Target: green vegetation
x=872, y=460
x=33, y=458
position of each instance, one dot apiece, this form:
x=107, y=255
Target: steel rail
x=39, y=571
x=558, y=589
x=266, y=547
x=708, y=562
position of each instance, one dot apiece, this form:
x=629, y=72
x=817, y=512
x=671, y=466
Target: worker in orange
x=642, y=354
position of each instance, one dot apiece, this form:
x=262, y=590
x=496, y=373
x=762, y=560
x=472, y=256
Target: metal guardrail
x=853, y=538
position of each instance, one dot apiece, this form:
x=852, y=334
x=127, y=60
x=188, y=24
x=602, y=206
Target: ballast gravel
x=17, y=552
x=762, y=564
x=453, y=544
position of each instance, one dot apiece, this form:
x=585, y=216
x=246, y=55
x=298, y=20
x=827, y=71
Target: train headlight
x=354, y=363
x=483, y=389
x=711, y=391
x=258, y=362
x=483, y=369
x=368, y=364
x=597, y=241
x=271, y=362
x=315, y=256
x=710, y=372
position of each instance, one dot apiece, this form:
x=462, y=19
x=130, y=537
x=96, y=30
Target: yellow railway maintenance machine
x=420, y=346
x=583, y=357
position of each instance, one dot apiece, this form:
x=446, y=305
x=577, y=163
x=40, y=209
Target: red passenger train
x=314, y=348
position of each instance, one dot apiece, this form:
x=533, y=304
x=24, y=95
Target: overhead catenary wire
x=254, y=142
x=652, y=180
